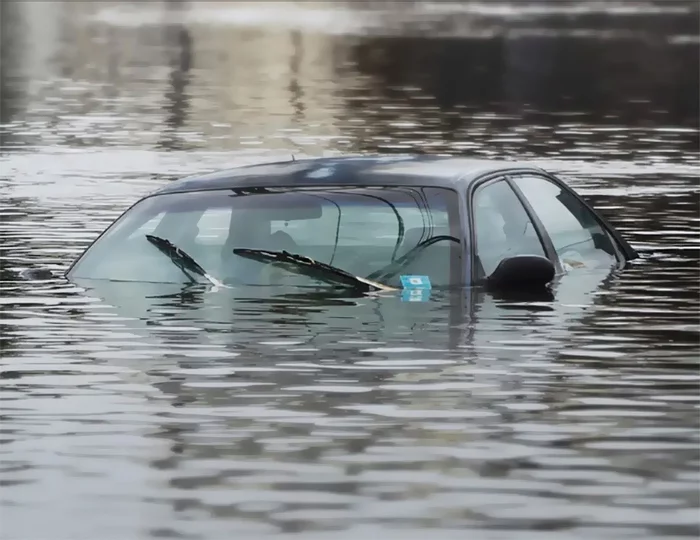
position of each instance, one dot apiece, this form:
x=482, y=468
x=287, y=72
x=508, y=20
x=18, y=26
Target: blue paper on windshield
x=415, y=282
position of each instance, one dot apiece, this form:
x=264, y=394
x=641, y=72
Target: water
x=218, y=415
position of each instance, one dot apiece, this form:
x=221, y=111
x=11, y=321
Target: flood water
x=128, y=413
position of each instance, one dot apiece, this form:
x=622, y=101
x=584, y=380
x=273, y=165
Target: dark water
x=213, y=416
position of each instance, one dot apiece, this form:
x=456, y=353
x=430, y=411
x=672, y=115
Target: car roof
x=385, y=170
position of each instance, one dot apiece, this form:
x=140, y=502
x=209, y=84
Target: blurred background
x=460, y=77
x=545, y=422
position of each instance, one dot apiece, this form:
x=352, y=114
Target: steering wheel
x=394, y=268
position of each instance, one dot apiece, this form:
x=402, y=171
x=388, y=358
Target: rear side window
x=578, y=238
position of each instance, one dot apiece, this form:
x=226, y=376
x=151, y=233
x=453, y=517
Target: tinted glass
x=502, y=226
x=577, y=236
x=360, y=230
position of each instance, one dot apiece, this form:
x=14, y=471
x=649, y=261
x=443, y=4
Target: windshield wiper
x=399, y=264
x=181, y=259
x=300, y=264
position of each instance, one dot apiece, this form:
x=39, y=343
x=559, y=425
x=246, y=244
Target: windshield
x=362, y=231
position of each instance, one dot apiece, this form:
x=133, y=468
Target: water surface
x=130, y=412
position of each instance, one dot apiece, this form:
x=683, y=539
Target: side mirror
x=523, y=272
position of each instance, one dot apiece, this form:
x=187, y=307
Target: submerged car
x=410, y=223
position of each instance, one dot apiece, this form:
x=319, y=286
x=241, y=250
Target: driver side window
x=502, y=227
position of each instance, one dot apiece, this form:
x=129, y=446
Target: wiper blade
x=300, y=264
x=181, y=259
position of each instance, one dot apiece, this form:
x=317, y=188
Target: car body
x=409, y=223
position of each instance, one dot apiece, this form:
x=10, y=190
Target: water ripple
x=133, y=413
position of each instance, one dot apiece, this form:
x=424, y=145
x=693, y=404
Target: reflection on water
x=135, y=412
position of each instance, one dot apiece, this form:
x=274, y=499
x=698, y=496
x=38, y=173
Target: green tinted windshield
x=359, y=230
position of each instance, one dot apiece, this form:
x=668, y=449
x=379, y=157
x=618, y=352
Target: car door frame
x=623, y=250
x=550, y=252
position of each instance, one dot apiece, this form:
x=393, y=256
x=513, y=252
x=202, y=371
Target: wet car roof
x=437, y=171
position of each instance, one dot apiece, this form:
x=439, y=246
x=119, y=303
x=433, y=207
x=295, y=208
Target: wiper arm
x=181, y=259
x=300, y=264
x=399, y=264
